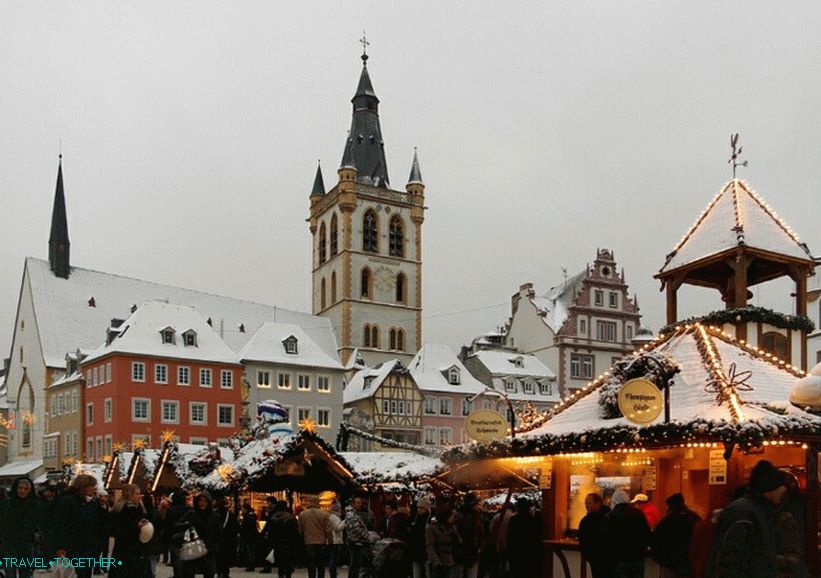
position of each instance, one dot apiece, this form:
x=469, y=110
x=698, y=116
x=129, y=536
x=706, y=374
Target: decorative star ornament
x=118, y=447
x=139, y=443
x=308, y=425
x=168, y=435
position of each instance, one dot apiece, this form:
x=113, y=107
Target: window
x=510, y=385
x=444, y=406
x=167, y=335
x=613, y=300
x=90, y=449
x=323, y=303
x=189, y=338
x=284, y=380
x=99, y=441
x=323, y=241
x=67, y=445
x=430, y=405
x=303, y=382
x=88, y=378
x=386, y=406
x=197, y=441
x=89, y=414
x=400, y=340
x=205, y=377
x=197, y=411
x=323, y=383
x=183, y=375
x=226, y=379
x=396, y=237
x=108, y=410
x=137, y=371
x=529, y=388
x=606, y=331
x=774, y=343
x=53, y=405
x=108, y=445
x=140, y=409
x=225, y=415
x=370, y=239
x=263, y=378
x=583, y=326
x=629, y=331
x=323, y=418
x=408, y=408
x=465, y=407
x=581, y=366
x=445, y=436
x=95, y=377
x=453, y=376
x=333, y=287
x=61, y=404
x=160, y=373
x=108, y=372
x=334, y=235
x=393, y=410
x=430, y=436
x=365, y=284
x=370, y=336
x=291, y=345
x=170, y=411
x=303, y=413
x=598, y=298
x=545, y=389
x=75, y=400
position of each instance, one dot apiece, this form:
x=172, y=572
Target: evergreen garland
x=746, y=315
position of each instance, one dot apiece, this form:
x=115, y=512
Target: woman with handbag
x=77, y=526
x=127, y=521
x=20, y=519
x=206, y=527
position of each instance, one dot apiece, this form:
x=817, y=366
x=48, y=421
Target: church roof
x=735, y=217
x=415, y=173
x=367, y=148
x=66, y=321
x=318, y=189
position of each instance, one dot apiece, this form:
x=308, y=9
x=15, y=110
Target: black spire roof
x=415, y=173
x=319, y=185
x=58, y=244
x=367, y=152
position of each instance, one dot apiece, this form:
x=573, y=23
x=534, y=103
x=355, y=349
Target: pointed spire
x=365, y=87
x=319, y=184
x=348, y=160
x=415, y=173
x=58, y=243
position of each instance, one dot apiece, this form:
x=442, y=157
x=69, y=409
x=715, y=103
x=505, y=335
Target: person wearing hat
x=745, y=543
x=648, y=508
x=671, y=540
x=206, y=522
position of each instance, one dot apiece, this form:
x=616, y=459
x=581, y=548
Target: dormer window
x=510, y=386
x=189, y=338
x=528, y=387
x=290, y=345
x=517, y=361
x=453, y=376
x=168, y=335
x=369, y=381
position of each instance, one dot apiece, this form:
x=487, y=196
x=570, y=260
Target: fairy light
x=717, y=371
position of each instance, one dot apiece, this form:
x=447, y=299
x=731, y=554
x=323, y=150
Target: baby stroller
x=388, y=554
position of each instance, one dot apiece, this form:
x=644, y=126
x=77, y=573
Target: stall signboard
x=718, y=468
x=649, y=481
x=546, y=474
x=486, y=425
x=640, y=401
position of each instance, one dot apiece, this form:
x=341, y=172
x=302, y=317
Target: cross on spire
x=736, y=153
x=365, y=44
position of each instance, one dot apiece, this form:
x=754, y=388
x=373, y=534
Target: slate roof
x=736, y=216
x=367, y=148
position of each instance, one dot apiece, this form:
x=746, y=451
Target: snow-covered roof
x=386, y=467
x=71, y=378
x=429, y=369
x=268, y=345
x=366, y=381
x=66, y=321
x=179, y=458
x=20, y=468
x=502, y=363
x=141, y=334
x=500, y=385
x=554, y=306
x=97, y=471
x=736, y=216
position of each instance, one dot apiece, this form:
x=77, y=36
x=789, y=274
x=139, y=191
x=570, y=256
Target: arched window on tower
x=322, y=301
x=401, y=289
x=333, y=287
x=322, y=243
x=400, y=339
x=774, y=343
x=392, y=339
x=370, y=238
x=374, y=336
x=396, y=237
x=366, y=282
x=334, y=235
x=366, y=336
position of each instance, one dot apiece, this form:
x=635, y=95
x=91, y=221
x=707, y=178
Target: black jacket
x=126, y=531
x=626, y=534
x=20, y=520
x=416, y=544
x=590, y=534
x=207, y=524
x=671, y=540
x=744, y=546
x=78, y=526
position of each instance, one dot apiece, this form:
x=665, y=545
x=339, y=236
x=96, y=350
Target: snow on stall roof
x=502, y=363
x=252, y=458
x=555, y=305
x=266, y=345
x=717, y=229
x=429, y=370
x=21, y=468
x=366, y=381
x=141, y=334
x=97, y=471
x=379, y=467
x=66, y=321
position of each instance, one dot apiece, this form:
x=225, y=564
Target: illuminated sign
x=640, y=401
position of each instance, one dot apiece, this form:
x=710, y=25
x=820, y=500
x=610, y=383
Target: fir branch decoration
x=746, y=315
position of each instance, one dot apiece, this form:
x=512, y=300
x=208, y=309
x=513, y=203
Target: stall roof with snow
x=393, y=470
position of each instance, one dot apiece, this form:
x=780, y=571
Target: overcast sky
x=190, y=133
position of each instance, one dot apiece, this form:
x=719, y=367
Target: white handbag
x=193, y=547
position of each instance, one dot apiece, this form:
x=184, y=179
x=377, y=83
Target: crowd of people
x=758, y=534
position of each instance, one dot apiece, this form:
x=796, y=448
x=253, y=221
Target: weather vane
x=736, y=153
x=365, y=44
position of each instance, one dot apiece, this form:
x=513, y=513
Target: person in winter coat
x=77, y=526
x=207, y=525
x=416, y=542
x=314, y=526
x=626, y=534
x=127, y=519
x=176, y=511
x=248, y=536
x=648, y=508
x=441, y=539
x=701, y=543
x=357, y=537
x=671, y=540
x=523, y=539
x=590, y=534
x=229, y=529
x=154, y=547
x=283, y=534
x=497, y=539
x=745, y=543
x=472, y=535
x=48, y=514
x=20, y=516
x=337, y=528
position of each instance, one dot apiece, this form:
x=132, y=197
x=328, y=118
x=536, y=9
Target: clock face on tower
x=383, y=279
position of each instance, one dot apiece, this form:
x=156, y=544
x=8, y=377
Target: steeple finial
x=318, y=189
x=365, y=44
x=736, y=153
x=58, y=243
x=415, y=172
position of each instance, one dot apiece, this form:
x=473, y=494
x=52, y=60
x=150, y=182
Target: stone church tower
x=367, y=244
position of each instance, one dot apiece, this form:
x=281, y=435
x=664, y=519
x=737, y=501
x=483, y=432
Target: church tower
x=58, y=244
x=367, y=244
